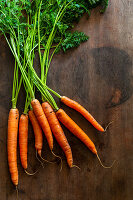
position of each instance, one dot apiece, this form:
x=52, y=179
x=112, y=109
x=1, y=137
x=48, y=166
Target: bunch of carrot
x=43, y=117
x=46, y=117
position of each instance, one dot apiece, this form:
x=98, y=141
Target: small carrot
x=76, y=106
x=58, y=132
x=12, y=144
x=75, y=129
x=38, y=136
x=23, y=139
x=38, y=111
x=37, y=131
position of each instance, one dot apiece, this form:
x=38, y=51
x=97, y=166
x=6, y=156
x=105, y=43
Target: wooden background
x=99, y=75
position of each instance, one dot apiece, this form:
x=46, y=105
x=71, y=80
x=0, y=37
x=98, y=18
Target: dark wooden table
x=99, y=75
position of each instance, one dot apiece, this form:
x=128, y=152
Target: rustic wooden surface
x=99, y=75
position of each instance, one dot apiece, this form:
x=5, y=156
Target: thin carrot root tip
x=39, y=159
x=107, y=126
x=61, y=165
x=47, y=160
x=56, y=155
x=39, y=152
x=76, y=167
x=106, y=167
x=31, y=174
x=16, y=192
x=59, y=158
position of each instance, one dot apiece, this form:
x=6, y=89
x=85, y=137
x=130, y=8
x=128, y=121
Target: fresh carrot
x=12, y=144
x=76, y=106
x=75, y=129
x=79, y=133
x=23, y=142
x=23, y=139
x=58, y=132
x=38, y=111
x=37, y=131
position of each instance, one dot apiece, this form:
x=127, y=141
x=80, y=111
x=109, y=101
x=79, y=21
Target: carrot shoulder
x=76, y=106
x=75, y=129
x=37, y=132
x=58, y=132
x=38, y=111
x=23, y=139
x=12, y=144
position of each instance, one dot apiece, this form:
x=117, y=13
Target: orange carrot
x=75, y=129
x=58, y=132
x=79, y=133
x=37, y=131
x=76, y=106
x=12, y=144
x=38, y=111
x=23, y=139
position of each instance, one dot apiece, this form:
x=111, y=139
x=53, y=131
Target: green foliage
x=13, y=19
x=72, y=40
x=27, y=24
x=73, y=13
x=13, y=24
x=11, y=15
x=104, y=3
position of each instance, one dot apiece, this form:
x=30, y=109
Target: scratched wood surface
x=99, y=75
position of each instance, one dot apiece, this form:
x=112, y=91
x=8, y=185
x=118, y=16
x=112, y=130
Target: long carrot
x=58, y=132
x=12, y=144
x=38, y=111
x=78, y=132
x=23, y=139
x=76, y=106
x=37, y=132
x=75, y=129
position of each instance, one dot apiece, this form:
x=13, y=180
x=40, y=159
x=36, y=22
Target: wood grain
x=99, y=75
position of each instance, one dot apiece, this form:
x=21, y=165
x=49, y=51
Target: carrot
x=12, y=144
x=58, y=132
x=37, y=131
x=23, y=139
x=75, y=129
x=38, y=111
x=79, y=133
x=76, y=106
